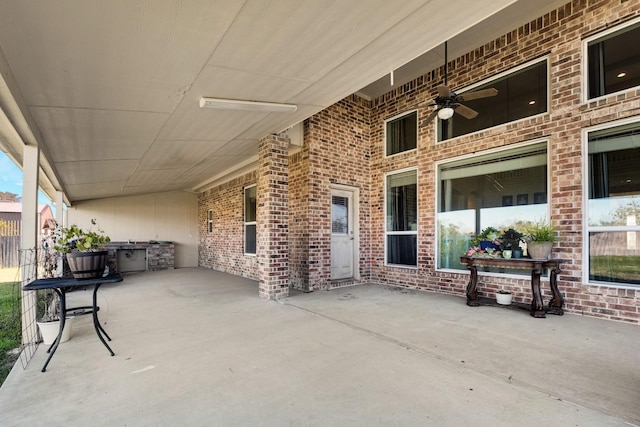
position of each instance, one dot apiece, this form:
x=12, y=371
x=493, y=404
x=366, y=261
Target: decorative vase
x=488, y=244
x=49, y=330
x=504, y=298
x=506, y=253
x=539, y=250
x=517, y=253
x=87, y=265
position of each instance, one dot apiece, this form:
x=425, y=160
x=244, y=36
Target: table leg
x=557, y=302
x=472, y=293
x=537, y=308
x=96, y=321
x=63, y=317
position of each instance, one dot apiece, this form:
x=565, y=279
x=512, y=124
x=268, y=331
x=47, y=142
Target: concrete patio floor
x=196, y=347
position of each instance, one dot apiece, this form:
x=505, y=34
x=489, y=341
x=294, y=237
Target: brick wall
x=223, y=249
x=344, y=144
x=336, y=142
x=559, y=35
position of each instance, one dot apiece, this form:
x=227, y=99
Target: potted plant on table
x=84, y=249
x=510, y=243
x=487, y=239
x=540, y=237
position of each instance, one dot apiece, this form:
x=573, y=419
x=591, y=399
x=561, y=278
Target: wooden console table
x=537, y=308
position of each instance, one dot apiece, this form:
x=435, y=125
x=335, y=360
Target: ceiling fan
x=448, y=102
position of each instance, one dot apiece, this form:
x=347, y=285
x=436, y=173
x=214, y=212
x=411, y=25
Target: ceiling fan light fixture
x=236, y=104
x=445, y=113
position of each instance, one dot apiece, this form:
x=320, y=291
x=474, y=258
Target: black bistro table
x=62, y=285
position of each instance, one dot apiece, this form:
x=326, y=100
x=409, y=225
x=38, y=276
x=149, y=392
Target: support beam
x=29, y=239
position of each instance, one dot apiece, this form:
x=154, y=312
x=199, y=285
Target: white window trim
x=210, y=221
x=585, y=62
x=411, y=232
x=585, y=205
x=399, y=116
x=436, y=184
x=245, y=223
x=494, y=78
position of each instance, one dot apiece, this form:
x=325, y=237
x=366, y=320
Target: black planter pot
x=87, y=265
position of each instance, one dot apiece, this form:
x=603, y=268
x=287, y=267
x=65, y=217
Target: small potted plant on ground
x=49, y=323
x=540, y=237
x=504, y=297
x=84, y=250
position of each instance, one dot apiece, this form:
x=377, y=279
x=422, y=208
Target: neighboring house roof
x=16, y=207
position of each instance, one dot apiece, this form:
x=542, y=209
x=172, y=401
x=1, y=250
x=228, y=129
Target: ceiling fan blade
x=444, y=91
x=482, y=93
x=465, y=111
x=428, y=120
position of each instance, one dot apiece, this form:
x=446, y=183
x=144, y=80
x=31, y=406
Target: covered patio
x=198, y=347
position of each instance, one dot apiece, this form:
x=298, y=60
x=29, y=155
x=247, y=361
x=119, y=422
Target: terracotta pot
x=539, y=250
x=87, y=265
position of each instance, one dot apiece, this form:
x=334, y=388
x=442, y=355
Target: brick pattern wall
x=559, y=35
x=344, y=144
x=299, y=220
x=337, y=146
x=273, y=217
x=223, y=249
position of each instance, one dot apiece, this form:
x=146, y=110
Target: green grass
x=9, y=326
x=625, y=269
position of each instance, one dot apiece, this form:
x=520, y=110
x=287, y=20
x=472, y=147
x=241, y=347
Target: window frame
x=210, y=221
x=586, y=228
x=397, y=117
x=401, y=233
x=249, y=223
x=487, y=81
x=468, y=157
x=585, y=61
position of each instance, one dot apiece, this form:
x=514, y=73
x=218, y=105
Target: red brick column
x=273, y=217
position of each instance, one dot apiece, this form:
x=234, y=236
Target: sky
x=11, y=179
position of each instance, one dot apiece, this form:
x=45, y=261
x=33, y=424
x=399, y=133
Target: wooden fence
x=9, y=243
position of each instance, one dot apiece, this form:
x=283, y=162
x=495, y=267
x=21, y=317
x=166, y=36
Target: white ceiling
x=109, y=89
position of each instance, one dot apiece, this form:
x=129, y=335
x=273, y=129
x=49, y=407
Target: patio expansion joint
x=477, y=369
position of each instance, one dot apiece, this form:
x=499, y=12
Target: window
x=506, y=189
x=250, y=220
x=613, y=61
x=614, y=204
x=210, y=220
x=402, y=219
x=401, y=133
x=521, y=93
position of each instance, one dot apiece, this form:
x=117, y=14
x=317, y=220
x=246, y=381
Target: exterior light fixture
x=235, y=104
x=445, y=113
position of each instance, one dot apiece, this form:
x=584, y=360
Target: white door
x=342, y=235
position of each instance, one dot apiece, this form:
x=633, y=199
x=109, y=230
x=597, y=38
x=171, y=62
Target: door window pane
x=339, y=215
